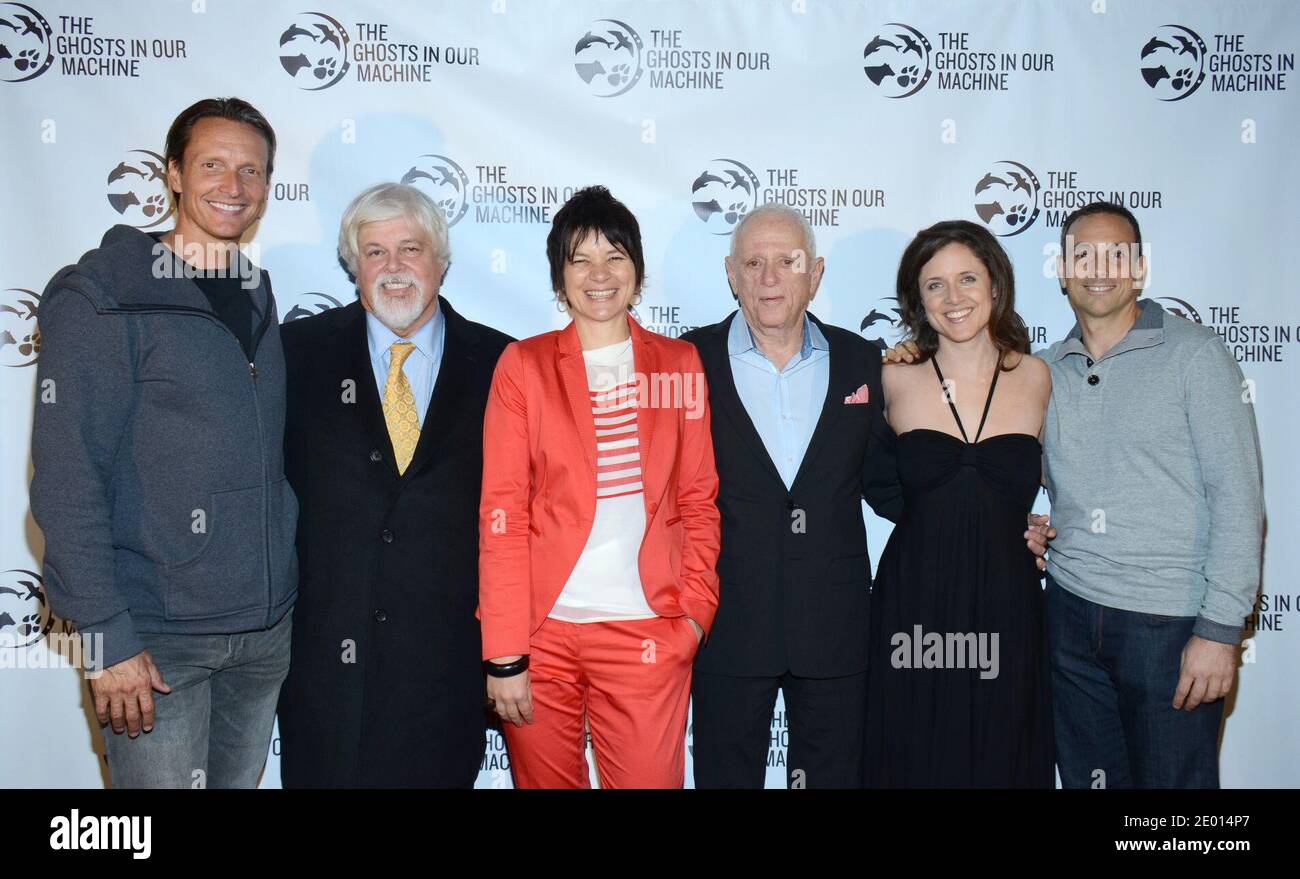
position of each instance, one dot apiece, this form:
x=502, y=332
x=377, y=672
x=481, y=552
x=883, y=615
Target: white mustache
x=397, y=278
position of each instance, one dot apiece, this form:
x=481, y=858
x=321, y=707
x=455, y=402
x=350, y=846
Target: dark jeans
x=214, y=727
x=1114, y=673
x=732, y=728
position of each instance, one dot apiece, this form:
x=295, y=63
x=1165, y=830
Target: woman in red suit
x=598, y=533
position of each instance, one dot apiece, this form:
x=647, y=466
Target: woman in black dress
x=958, y=678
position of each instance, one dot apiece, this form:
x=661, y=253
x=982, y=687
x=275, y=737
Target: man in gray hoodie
x=159, y=482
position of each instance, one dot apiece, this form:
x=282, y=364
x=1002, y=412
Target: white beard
x=397, y=313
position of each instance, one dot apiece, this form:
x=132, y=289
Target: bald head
x=773, y=270
x=773, y=211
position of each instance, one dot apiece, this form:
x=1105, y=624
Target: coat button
x=376, y=456
x=1090, y=363
x=380, y=615
x=1094, y=379
x=386, y=535
x=789, y=503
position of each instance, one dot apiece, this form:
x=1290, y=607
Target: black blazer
x=385, y=685
x=795, y=574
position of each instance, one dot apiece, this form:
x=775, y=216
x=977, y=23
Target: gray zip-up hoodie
x=158, y=452
x=1152, y=463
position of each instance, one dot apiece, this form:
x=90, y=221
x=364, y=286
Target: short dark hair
x=234, y=109
x=592, y=209
x=1005, y=326
x=1100, y=207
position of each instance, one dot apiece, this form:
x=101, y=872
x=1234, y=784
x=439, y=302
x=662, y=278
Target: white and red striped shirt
x=606, y=582
x=618, y=449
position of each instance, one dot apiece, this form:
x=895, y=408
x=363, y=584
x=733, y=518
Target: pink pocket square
x=861, y=395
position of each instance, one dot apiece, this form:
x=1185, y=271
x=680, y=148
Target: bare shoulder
x=1027, y=366
x=899, y=375
x=1039, y=372
x=900, y=379
x=1033, y=375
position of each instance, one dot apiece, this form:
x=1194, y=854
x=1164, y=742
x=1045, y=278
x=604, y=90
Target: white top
x=606, y=583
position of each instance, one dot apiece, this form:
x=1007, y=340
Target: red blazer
x=539, y=483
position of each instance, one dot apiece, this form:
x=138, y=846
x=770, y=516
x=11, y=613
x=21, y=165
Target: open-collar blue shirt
x=783, y=404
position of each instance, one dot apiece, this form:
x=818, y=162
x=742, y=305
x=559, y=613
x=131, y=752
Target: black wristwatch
x=506, y=669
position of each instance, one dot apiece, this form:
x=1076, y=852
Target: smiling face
x=398, y=274
x=772, y=274
x=1105, y=273
x=956, y=293
x=222, y=182
x=599, y=282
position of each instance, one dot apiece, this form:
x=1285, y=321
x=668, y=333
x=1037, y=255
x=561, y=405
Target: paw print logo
x=1172, y=62
x=137, y=189
x=618, y=75
x=722, y=193
x=314, y=50
x=1006, y=197
x=607, y=57
x=24, y=615
x=154, y=205
x=29, y=625
x=897, y=60
x=735, y=211
x=30, y=346
x=443, y=181
x=27, y=58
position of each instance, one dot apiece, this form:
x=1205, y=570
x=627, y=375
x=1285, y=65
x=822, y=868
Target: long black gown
x=956, y=565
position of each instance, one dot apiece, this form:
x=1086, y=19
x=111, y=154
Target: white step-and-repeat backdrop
x=874, y=118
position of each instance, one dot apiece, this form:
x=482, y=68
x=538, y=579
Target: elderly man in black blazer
x=800, y=439
x=383, y=446
x=795, y=405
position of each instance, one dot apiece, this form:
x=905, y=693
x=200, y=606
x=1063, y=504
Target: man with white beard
x=383, y=445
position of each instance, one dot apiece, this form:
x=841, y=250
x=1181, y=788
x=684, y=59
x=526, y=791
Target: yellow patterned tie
x=399, y=407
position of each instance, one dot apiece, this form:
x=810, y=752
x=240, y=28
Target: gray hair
x=389, y=201
x=776, y=209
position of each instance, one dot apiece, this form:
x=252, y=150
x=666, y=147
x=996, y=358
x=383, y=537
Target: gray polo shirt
x=1152, y=464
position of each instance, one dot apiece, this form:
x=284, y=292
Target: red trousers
x=631, y=680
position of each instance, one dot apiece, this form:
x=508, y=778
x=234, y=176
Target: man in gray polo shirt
x=1151, y=459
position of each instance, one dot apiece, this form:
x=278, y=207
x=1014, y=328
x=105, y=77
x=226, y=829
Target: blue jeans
x=214, y=727
x=1114, y=673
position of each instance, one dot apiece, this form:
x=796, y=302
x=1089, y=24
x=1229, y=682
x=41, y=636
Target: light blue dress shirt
x=421, y=365
x=784, y=405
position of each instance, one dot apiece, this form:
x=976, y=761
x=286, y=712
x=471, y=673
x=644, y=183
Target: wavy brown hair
x=1005, y=326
